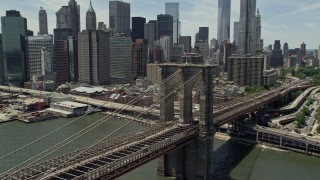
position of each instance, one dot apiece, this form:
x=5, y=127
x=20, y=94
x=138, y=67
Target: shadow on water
x=231, y=154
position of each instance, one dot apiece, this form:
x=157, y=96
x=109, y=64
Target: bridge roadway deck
x=288, y=140
x=250, y=104
x=114, y=158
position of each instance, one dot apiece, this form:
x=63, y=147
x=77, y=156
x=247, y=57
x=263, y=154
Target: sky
x=291, y=21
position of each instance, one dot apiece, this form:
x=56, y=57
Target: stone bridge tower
x=195, y=160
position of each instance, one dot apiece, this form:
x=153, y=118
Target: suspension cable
x=58, y=129
x=85, y=131
x=104, y=138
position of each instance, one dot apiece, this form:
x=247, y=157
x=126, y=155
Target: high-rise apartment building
x=137, y=28
x=121, y=60
x=119, y=17
x=165, y=25
x=204, y=34
x=34, y=55
x=43, y=22
x=186, y=42
x=173, y=9
x=150, y=33
x=224, y=13
x=248, y=42
x=259, y=41
x=91, y=19
x=236, y=32
x=246, y=70
x=69, y=17
x=14, y=29
x=276, y=59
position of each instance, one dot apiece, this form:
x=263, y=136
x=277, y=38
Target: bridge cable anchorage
x=104, y=138
x=82, y=132
x=73, y=121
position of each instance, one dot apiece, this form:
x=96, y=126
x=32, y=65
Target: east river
x=233, y=159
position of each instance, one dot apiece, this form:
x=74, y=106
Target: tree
x=318, y=129
x=305, y=111
x=301, y=120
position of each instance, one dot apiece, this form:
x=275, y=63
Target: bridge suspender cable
x=58, y=129
x=82, y=132
x=103, y=139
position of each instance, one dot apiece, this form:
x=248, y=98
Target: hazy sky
x=292, y=21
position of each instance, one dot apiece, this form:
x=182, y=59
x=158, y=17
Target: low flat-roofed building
x=68, y=109
x=90, y=91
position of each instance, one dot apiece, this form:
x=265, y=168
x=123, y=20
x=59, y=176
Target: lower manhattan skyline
x=292, y=18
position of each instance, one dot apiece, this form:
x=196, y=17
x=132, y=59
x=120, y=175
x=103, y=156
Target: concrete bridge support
x=195, y=160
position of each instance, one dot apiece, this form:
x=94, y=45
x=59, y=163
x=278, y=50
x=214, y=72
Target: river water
x=233, y=159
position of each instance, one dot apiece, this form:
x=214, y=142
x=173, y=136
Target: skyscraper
x=94, y=57
x=119, y=17
x=165, y=43
x=61, y=61
x=69, y=17
x=14, y=28
x=138, y=28
x=248, y=43
x=65, y=56
x=236, y=32
x=224, y=11
x=204, y=34
x=121, y=60
x=165, y=22
x=259, y=41
x=93, y=53
x=319, y=52
x=150, y=33
x=43, y=22
x=34, y=45
x=1, y=62
x=156, y=25
x=276, y=59
x=186, y=41
x=139, y=58
x=102, y=26
x=173, y=9
x=285, y=50
x=91, y=19
x=303, y=49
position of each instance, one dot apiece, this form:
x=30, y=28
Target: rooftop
x=71, y=104
x=90, y=90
